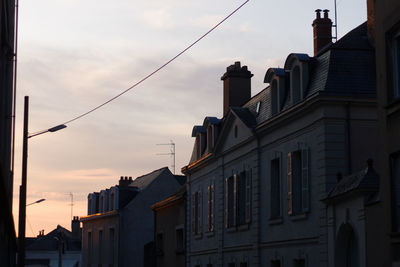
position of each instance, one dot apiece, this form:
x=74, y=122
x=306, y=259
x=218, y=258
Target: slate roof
x=49, y=242
x=143, y=181
x=345, y=68
x=366, y=180
x=245, y=116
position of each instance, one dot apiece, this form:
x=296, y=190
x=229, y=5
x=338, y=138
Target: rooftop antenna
x=335, y=26
x=171, y=153
x=72, y=203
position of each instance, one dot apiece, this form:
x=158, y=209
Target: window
x=210, y=207
x=196, y=213
x=275, y=188
x=90, y=206
x=100, y=246
x=298, y=181
x=395, y=43
x=160, y=244
x=243, y=264
x=274, y=97
x=232, y=264
x=101, y=204
x=395, y=172
x=210, y=138
x=238, y=199
x=180, y=241
x=230, y=202
x=111, y=250
x=295, y=82
x=236, y=131
x=112, y=201
x=90, y=247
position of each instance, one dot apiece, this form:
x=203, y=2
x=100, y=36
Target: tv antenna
x=171, y=153
x=72, y=203
x=335, y=26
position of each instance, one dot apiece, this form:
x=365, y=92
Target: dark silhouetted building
x=58, y=246
x=120, y=221
x=169, y=233
x=257, y=175
x=7, y=231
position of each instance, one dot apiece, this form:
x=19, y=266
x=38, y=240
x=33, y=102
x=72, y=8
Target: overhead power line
x=158, y=69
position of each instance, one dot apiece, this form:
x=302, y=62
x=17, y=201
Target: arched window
x=274, y=97
x=295, y=82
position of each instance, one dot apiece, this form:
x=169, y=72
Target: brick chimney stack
x=125, y=181
x=322, y=30
x=371, y=20
x=237, y=86
x=76, y=227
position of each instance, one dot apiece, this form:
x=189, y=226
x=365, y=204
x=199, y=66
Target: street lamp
x=22, y=188
x=37, y=201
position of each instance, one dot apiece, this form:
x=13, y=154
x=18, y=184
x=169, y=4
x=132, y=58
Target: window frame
x=298, y=182
x=393, y=65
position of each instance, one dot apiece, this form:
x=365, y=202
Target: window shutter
x=305, y=179
x=235, y=198
x=248, y=196
x=200, y=204
x=194, y=213
x=212, y=208
x=289, y=184
x=226, y=203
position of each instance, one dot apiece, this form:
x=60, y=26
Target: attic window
x=274, y=97
x=296, y=88
x=236, y=131
x=258, y=105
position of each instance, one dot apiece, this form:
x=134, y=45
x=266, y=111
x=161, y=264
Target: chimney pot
x=318, y=11
x=370, y=163
x=326, y=11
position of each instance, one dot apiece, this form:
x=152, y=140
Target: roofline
x=98, y=215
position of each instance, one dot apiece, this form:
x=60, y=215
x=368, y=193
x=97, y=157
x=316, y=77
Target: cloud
x=158, y=19
x=206, y=21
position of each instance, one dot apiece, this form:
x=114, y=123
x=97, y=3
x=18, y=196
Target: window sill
x=393, y=106
x=210, y=234
x=274, y=221
x=197, y=236
x=243, y=227
x=231, y=229
x=298, y=217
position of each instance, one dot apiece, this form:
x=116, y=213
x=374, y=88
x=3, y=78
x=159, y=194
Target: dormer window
x=297, y=65
x=274, y=97
x=210, y=138
x=295, y=81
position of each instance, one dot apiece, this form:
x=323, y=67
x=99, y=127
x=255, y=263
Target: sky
x=74, y=55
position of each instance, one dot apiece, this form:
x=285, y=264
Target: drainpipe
x=348, y=136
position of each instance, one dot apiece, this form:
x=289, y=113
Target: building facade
x=60, y=247
x=387, y=40
x=7, y=232
x=257, y=176
x=169, y=233
x=120, y=221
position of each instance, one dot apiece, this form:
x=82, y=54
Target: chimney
x=125, y=181
x=237, y=86
x=76, y=227
x=322, y=30
x=371, y=20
